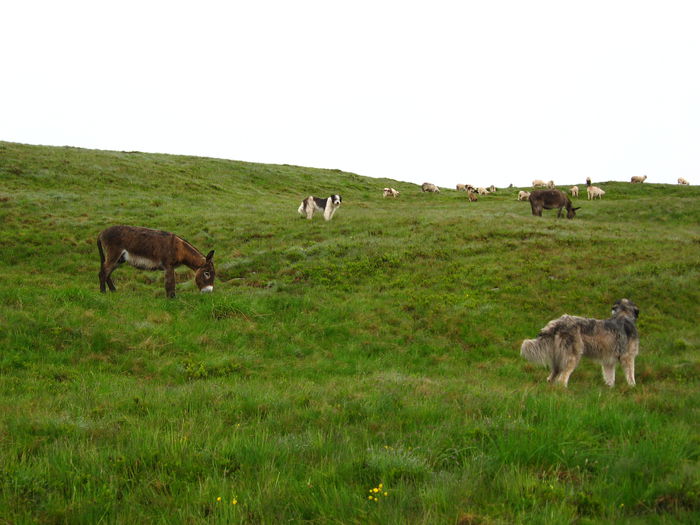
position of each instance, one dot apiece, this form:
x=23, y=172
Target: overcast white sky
x=481, y=92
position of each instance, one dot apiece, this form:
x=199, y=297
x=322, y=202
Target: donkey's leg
x=103, y=286
x=106, y=270
x=170, y=281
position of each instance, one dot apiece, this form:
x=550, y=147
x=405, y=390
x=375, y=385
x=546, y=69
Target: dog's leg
x=309, y=207
x=609, y=373
x=627, y=360
x=570, y=353
x=628, y=366
x=569, y=366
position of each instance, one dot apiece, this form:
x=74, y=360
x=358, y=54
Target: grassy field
x=363, y=370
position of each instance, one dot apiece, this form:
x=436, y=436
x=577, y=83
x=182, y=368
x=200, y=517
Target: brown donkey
x=551, y=199
x=148, y=249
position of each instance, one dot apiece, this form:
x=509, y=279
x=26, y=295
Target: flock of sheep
x=472, y=192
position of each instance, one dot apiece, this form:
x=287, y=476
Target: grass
x=380, y=347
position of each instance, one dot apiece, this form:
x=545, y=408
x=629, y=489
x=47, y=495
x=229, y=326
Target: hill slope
x=380, y=347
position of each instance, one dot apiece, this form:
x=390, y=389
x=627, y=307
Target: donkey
x=148, y=249
x=550, y=199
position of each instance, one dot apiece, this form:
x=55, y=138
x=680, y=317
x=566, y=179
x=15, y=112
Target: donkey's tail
x=102, y=253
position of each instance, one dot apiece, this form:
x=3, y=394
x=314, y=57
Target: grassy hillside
x=375, y=351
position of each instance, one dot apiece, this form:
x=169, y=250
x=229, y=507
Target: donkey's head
x=571, y=212
x=204, y=275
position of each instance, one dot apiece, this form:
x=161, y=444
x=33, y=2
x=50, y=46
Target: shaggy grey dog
x=561, y=344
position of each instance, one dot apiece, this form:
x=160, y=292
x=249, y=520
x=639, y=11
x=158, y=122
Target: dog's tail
x=303, y=206
x=538, y=350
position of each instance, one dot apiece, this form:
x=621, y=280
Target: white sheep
x=594, y=191
x=681, y=180
x=427, y=186
x=538, y=182
x=638, y=180
x=550, y=184
x=574, y=191
x=523, y=195
x=391, y=192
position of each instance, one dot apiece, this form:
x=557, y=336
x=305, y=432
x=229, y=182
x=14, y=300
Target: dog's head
x=625, y=308
x=336, y=200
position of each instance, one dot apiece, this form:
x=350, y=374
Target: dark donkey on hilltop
x=550, y=199
x=148, y=249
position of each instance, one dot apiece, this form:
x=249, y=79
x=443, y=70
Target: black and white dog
x=312, y=204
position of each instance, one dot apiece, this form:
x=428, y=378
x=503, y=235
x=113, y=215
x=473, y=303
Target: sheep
x=482, y=191
x=637, y=179
x=574, y=191
x=427, y=186
x=588, y=181
x=492, y=188
x=391, y=192
x=550, y=185
x=683, y=181
x=594, y=191
x=538, y=182
x=523, y=195
x=461, y=187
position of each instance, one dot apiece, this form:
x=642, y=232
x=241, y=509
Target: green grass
x=380, y=347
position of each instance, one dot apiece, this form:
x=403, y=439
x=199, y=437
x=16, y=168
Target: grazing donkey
x=550, y=199
x=148, y=249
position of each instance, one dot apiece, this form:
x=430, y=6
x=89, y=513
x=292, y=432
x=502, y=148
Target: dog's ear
x=615, y=307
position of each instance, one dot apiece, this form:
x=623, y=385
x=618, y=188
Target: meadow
x=362, y=370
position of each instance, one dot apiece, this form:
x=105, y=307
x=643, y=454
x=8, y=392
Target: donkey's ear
x=577, y=208
x=210, y=255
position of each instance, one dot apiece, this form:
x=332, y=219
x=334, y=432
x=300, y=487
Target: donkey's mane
x=190, y=245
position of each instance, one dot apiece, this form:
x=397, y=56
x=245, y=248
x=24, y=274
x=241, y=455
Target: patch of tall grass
x=380, y=348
